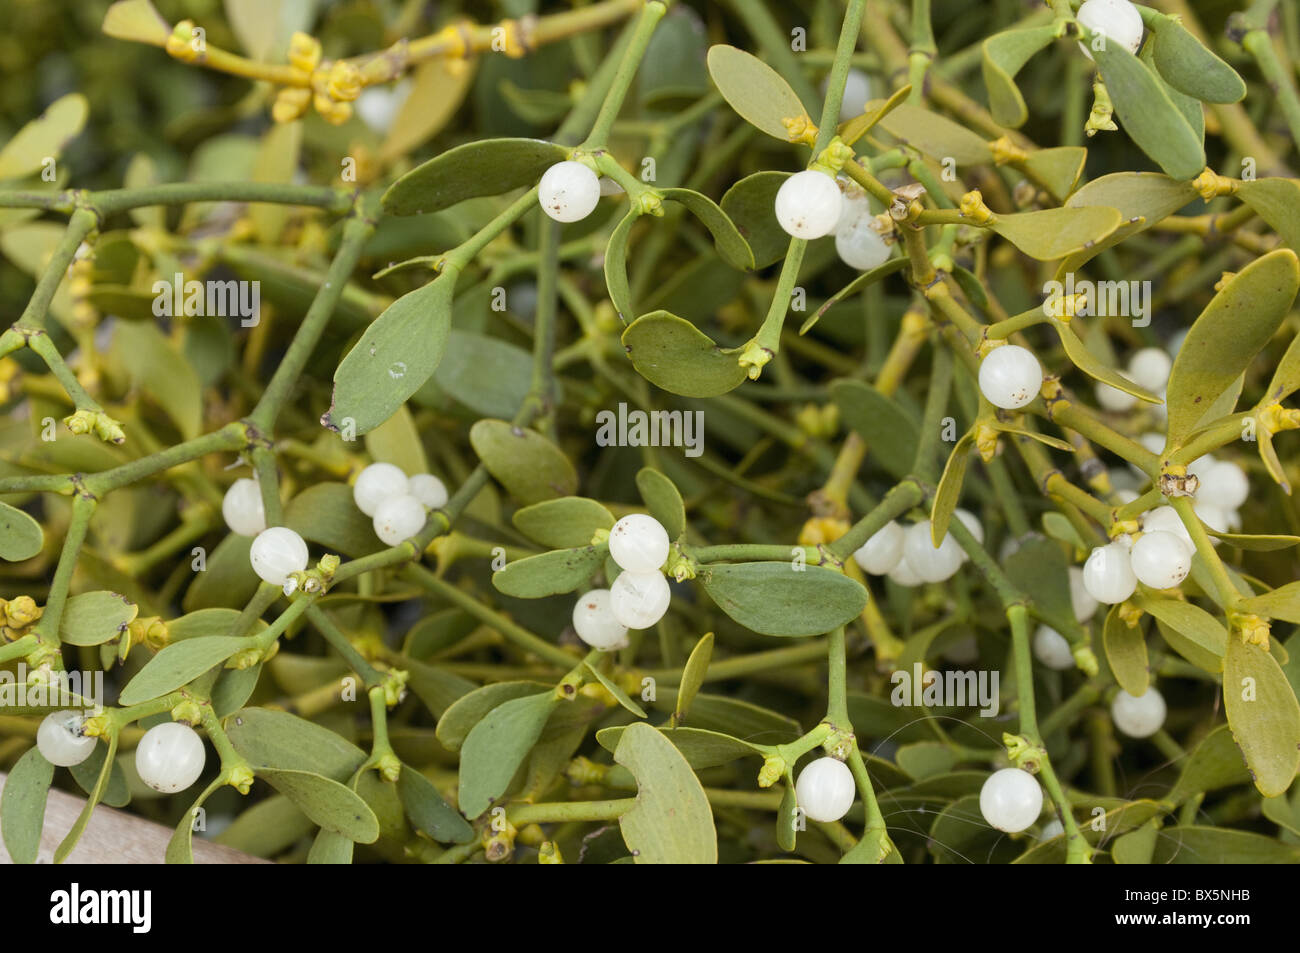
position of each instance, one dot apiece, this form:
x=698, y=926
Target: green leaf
x=438, y=689
x=233, y=688
x=662, y=500
x=1188, y=66
x=616, y=267
x=566, y=523
x=328, y=803
x=201, y=623
x=874, y=847
x=872, y=113
x=750, y=203
x=1143, y=198
x=529, y=466
x=429, y=811
x=773, y=598
x=1230, y=332
x=1086, y=361
x=266, y=828
x=95, y=617
x=487, y=167
x=496, y=747
x=1038, y=568
x=1276, y=201
x=697, y=666
x=1191, y=623
x=277, y=739
x=869, y=277
x=672, y=822
x=948, y=492
x=180, y=849
x=1135, y=847
x=1286, y=376
x=674, y=354
x=462, y=715
x=1256, y=543
x=157, y=368
x=1058, y=169
x=1126, y=653
x=1004, y=54
x=1053, y=233
x=702, y=749
x=136, y=21
x=44, y=137
x=731, y=245
x=116, y=793
x=1216, y=763
x=889, y=431
x=397, y=441
x=330, y=847
x=926, y=759
x=936, y=136
x=327, y=514
x=1264, y=715
x=1148, y=115
x=616, y=690
x=754, y=90
x=549, y=574
x=22, y=806
x=21, y=537
x=228, y=580
x=395, y=356
x=1217, y=845
x=179, y=664
x=69, y=842
x=787, y=817
x=731, y=716
x=1281, y=603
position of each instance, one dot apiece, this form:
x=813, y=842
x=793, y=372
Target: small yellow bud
x=290, y=103
x=22, y=611
x=304, y=52
x=344, y=84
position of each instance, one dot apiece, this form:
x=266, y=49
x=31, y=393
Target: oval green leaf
x=22, y=806
x=754, y=90
x=1004, y=54
x=95, y=617
x=663, y=501
x=328, y=803
x=1264, y=715
x=672, y=822
x=529, y=466
x=496, y=747
x=674, y=354
x=21, y=537
x=566, y=523
x=1126, y=653
x=731, y=245
x=549, y=574
x=1188, y=66
x=487, y=167
x=776, y=599
x=428, y=811
x=179, y=664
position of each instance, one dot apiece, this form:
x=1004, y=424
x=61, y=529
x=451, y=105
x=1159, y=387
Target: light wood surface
x=116, y=837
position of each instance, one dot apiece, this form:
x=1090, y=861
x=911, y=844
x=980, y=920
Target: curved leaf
x=616, y=267
x=731, y=245
x=936, y=136
x=428, y=811
x=948, y=491
x=754, y=90
x=566, y=523
x=1086, y=361
x=487, y=167
x=890, y=432
x=663, y=501
x=672, y=822
x=22, y=806
x=674, y=354
x=277, y=739
x=1188, y=66
x=751, y=205
x=328, y=803
x=43, y=137
x=777, y=599
x=548, y=574
x=179, y=664
x=1263, y=714
x=1276, y=201
x=1004, y=54
x=529, y=466
x=467, y=711
x=496, y=747
x=1126, y=653
x=484, y=373
x=1053, y=233
x=21, y=537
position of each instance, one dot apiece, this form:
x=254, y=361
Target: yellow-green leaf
x=1004, y=54
x=754, y=90
x=672, y=822
x=1126, y=653
x=674, y=354
x=1053, y=233
x=44, y=137
x=529, y=466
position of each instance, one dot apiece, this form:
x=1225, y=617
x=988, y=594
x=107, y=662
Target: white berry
x=1201, y=465
x=860, y=246
x=399, y=518
x=170, y=757
x=639, y=599
x=1052, y=649
x=428, y=489
x=60, y=741
x=1160, y=560
x=276, y=552
x=568, y=191
x=1113, y=399
x=1011, y=800
x=973, y=526
x=1150, y=368
x=931, y=563
x=593, y=620
x=1010, y=377
x=825, y=790
x=1117, y=20
x=1081, y=600
x=881, y=553
x=1215, y=517
x=639, y=543
x=242, y=507
x=1053, y=828
x=904, y=574
x=808, y=204
x=1223, y=484
x=857, y=93
x=1108, y=574
x=1138, y=716
x=376, y=483
x=1165, y=519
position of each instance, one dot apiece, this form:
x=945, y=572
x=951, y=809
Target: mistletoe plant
x=649, y=432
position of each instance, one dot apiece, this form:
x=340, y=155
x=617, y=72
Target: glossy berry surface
x=1118, y=20
x=428, y=489
x=1160, y=560
x=825, y=790
x=931, y=563
x=1011, y=800
x=1010, y=377
x=399, y=518
x=808, y=204
x=882, y=551
x=1052, y=649
x=376, y=483
x=568, y=191
x=593, y=620
x=639, y=599
x=170, y=757
x=638, y=543
x=1108, y=574
x=242, y=507
x=1138, y=716
x=60, y=740
x=276, y=552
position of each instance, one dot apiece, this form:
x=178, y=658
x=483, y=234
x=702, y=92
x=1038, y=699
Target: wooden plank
x=116, y=837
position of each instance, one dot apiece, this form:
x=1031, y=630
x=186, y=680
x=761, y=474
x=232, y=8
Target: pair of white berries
x=169, y=758
x=909, y=557
x=398, y=504
x=276, y=550
x=639, y=597
x=1010, y=377
x=811, y=204
x=1159, y=559
x=1011, y=800
x=1149, y=368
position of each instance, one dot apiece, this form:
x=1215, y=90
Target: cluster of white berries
x=169, y=758
x=568, y=191
x=398, y=504
x=809, y=204
x=1138, y=716
x=909, y=558
x=825, y=790
x=639, y=596
x=277, y=551
x=1010, y=377
x=1149, y=368
x=1117, y=20
x=1011, y=800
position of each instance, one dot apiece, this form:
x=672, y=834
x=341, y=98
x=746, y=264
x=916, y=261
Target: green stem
x=650, y=16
